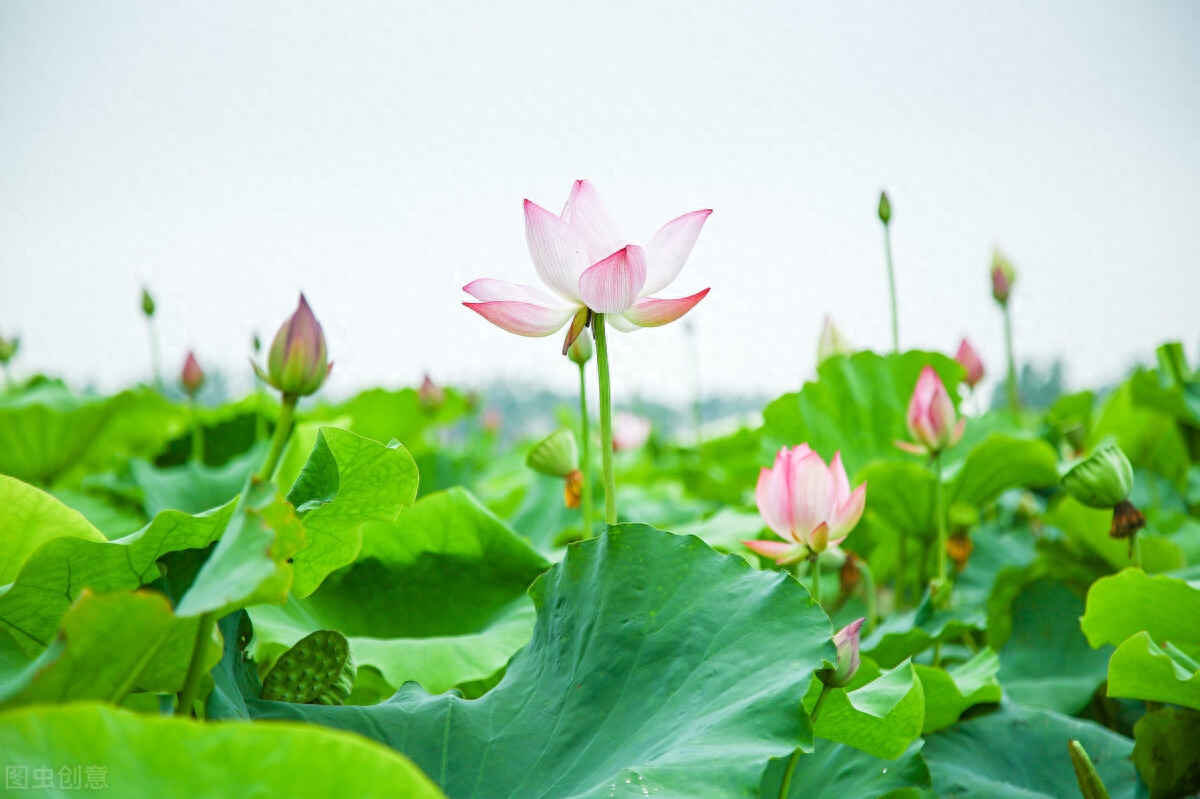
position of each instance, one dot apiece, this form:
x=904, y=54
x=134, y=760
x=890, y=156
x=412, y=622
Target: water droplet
x=627, y=781
x=885, y=771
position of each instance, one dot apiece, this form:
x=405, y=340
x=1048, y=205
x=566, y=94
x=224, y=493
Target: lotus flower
x=931, y=417
x=847, y=642
x=630, y=431
x=969, y=359
x=192, y=376
x=808, y=504
x=590, y=267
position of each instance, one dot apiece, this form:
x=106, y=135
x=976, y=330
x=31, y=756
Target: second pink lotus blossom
x=932, y=419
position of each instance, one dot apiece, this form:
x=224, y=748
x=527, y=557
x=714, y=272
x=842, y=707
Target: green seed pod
x=1102, y=480
x=557, y=455
x=318, y=670
x=147, y=303
x=885, y=208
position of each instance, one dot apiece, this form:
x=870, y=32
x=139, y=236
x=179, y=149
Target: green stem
x=786, y=785
x=940, y=510
x=902, y=571
x=869, y=592
x=195, y=667
x=1013, y=397
x=887, y=241
x=585, y=458
x=937, y=655
x=816, y=577
x=1135, y=552
x=283, y=429
x=155, y=354
x=197, y=433
x=606, y=451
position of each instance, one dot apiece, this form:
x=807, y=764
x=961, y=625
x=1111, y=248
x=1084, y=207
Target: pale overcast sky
x=375, y=155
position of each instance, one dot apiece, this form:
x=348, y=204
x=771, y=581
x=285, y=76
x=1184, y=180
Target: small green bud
x=1102, y=480
x=885, y=208
x=318, y=670
x=557, y=455
x=8, y=349
x=147, y=304
x=256, y=343
x=581, y=351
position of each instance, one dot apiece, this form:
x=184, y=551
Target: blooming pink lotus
x=931, y=417
x=583, y=258
x=969, y=360
x=808, y=504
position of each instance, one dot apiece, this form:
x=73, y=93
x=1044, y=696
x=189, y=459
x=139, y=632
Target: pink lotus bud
x=297, y=362
x=630, y=431
x=832, y=343
x=192, y=376
x=931, y=416
x=847, y=641
x=1003, y=277
x=969, y=360
x=430, y=394
x=806, y=503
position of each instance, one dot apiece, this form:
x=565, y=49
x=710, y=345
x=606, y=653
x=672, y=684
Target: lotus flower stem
x=939, y=502
x=197, y=434
x=786, y=785
x=606, y=450
x=868, y=579
x=191, y=682
x=283, y=429
x=585, y=463
x=155, y=353
x=816, y=577
x=902, y=570
x=1013, y=397
x=887, y=242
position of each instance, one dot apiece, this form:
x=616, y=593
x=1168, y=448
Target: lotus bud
x=1003, y=277
x=8, y=349
x=581, y=350
x=931, y=416
x=296, y=363
x=847, y=641
x=969, y=360
x=430, y=394
x=147, y=304
x=192, y=376
x=885, y=208
x=832, y=343
x=1105, y=480
x=318, y=670
x=557, y=455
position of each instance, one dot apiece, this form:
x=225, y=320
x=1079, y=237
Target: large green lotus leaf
x=653, y=657
x=1150, y=437
x=837, y=771
x=1140, y=669
x=1167, y=752
x=29, y=517
x=856, y=406
x=1047, y=662
x=252, y=561
x=904, y=635
x=438, y=596
x=1132, y=601
x=1087, y=528
x=726, y=529
x=1021, y=753
x=998, y=464
x=113, y=644
x=160, y=757
x=192, y=487
x=348, y=481
x=48, y=434
x=110, y=514
x=53, y=576
x=950, y=692
x=900, y=494
x=879, y=713
x=382, y=415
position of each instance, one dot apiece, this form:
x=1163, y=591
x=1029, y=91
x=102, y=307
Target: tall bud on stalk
x=847, y=642
x=1003, y=277
x=932, y=419
x=885, y=208
x=297, y=362
x=1105, y=480
x=969, y=360
x=192, y=376
x=147, y=304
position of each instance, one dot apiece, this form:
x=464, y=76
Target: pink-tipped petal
x=847, y=515
x=523, y=318
x=613, y=285
x=669, y=250
x=841, y=484
x=587, y=215
x=559, y=255
x=909, y=447
x=774, y=499
x=487, y=289
x=812, y=492
x=652, y=311
x=778, y=551
x=621, y=322
x=959, y=429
